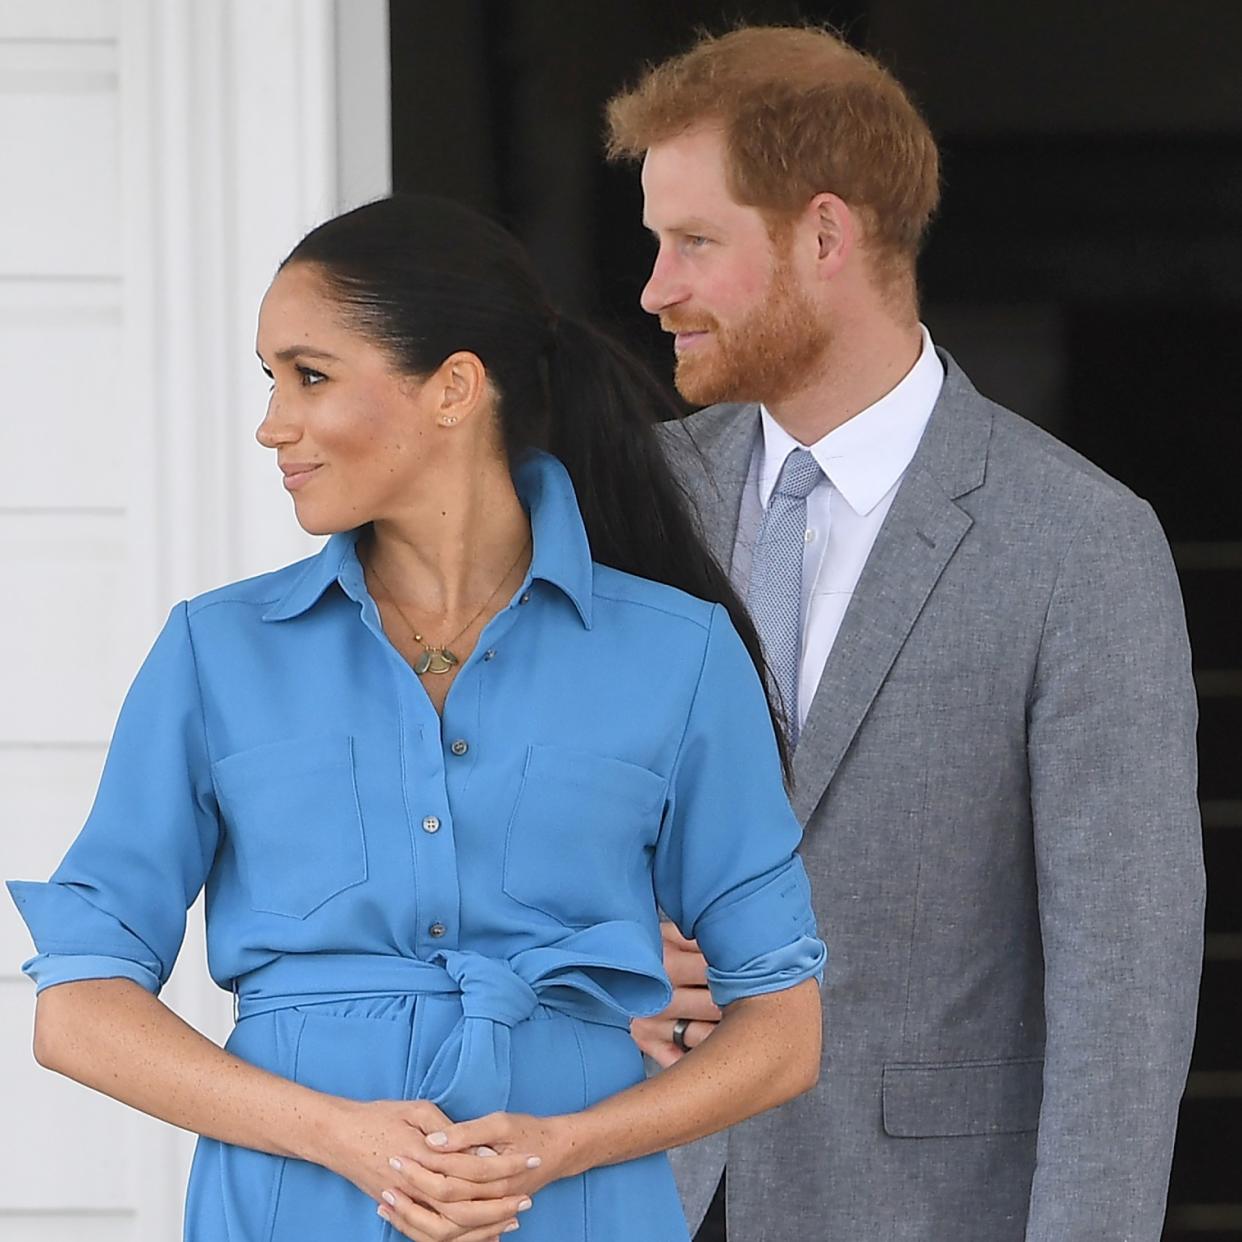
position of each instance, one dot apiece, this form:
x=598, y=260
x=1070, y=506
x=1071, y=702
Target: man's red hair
x=803, y=113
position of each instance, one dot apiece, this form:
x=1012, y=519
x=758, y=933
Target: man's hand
x=687, y=969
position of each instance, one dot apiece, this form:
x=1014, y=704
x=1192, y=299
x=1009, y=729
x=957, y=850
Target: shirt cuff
x=49, y=969
x=65, y=924
x=762, y=938
x=770, y=972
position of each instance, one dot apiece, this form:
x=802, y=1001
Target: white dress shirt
x=863, y=462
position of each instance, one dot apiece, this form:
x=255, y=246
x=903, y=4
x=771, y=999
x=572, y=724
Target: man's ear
x=835, y=229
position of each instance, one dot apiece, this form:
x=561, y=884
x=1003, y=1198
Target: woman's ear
x=458, y=389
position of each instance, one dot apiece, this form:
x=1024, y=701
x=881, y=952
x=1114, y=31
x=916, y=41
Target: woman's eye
x=695, y=242
x=311, y=377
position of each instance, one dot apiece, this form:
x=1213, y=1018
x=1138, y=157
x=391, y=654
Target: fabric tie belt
x=604, y=974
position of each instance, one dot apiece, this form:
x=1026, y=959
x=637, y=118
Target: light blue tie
x=775, y=594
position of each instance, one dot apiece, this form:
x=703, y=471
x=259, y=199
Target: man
x=980, y=644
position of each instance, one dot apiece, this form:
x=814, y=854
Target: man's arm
x=1111, y=748
x=692, y=1002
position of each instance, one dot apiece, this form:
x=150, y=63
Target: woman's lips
x=296, y=476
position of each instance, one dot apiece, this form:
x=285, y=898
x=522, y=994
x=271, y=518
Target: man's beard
x=765, y=357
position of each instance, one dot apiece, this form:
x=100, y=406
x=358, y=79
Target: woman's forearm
x=765, y=1050
x=114, y=1036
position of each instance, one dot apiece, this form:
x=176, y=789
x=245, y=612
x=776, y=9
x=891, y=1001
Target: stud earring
x=447, y=420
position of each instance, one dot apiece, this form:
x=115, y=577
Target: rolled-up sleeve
x=726, y=867
x=116, y=906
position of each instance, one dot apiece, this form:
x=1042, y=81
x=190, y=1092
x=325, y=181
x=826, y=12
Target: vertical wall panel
x=61, y=436
x=58, y=141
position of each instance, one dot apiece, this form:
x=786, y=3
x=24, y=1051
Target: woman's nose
x=275, y=430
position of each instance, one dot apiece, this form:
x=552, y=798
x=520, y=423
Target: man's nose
x=663, y=288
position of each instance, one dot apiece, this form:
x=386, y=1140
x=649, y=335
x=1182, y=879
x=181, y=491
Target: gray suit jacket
x=997, y=778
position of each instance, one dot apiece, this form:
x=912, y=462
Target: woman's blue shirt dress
x=459, y=908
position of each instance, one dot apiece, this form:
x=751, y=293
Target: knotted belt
x=604, y=974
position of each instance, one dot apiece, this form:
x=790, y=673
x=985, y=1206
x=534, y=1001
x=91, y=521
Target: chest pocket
x=581, y=836
x=292, y=810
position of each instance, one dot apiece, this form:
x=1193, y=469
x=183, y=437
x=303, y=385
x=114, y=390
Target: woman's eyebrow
x=304, y=351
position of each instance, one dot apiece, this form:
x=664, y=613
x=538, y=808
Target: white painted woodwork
x=60, y=343
x=98, y=1224
x=159, y=158
x=73, y=640
x=65, y=221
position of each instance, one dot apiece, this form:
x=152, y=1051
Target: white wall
x=158, y=159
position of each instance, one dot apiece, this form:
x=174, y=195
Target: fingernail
x=389, y=1198
x=394, y=1163
x=524, y=1205
x=438, y=1139
x=384, y=1212
x=511, y=1226
x=533, y=1162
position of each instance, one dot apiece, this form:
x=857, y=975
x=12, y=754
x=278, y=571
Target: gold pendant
x=434, y=660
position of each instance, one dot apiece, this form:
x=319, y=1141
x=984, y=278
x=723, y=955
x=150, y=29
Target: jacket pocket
x=581, y=836
x=961, y=1098
x=292, y=810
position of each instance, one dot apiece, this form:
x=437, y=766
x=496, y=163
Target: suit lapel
x=714, y=448
x=920, y=534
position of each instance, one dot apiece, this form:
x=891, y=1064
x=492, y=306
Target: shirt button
x=525, y=598
x=437, y=930
x=810, y=534
x=489, y=655
x=431, y=824
x=460, y=746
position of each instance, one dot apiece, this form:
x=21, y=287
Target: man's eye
x=310, y=377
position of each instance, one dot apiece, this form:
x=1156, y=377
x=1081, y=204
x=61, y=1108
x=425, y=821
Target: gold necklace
x=438, y=658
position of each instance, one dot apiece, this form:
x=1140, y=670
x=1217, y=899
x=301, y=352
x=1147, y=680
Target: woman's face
x=351, y=435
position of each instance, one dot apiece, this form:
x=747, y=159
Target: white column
x=240, y=117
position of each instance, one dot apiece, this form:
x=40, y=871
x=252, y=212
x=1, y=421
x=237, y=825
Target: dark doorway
x=1086, y=270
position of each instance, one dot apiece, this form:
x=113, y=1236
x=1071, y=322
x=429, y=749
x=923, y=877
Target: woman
x=436, y=780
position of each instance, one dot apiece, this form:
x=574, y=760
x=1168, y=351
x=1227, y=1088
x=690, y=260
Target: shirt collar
x=865, y=456
x=561, y=553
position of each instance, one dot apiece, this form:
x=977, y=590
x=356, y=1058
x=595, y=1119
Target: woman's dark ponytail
x=604, y=404
x=424, y=277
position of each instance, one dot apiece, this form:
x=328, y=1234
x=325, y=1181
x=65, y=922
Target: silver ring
x=679, y=1033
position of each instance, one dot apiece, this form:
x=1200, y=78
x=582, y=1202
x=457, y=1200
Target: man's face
x=744, y=328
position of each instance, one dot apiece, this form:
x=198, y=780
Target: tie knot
x=799, y=475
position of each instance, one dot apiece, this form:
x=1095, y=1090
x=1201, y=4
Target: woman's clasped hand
x=439, y=1182
x=435, y=1181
